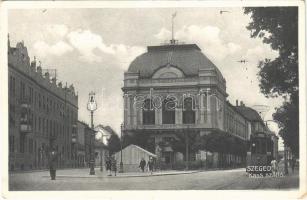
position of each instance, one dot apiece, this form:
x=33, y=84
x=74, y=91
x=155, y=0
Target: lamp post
x=121, y=166
x=92, y=106
x=74, y=144
x=187, y=148
x=286, y=159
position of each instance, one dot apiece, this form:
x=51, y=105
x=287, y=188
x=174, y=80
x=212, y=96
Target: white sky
x=92, y=48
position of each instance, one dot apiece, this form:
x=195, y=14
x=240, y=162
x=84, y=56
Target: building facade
x=173, y=92
x=42, y=114
x=83, y=143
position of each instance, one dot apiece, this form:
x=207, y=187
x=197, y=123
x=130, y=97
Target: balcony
x=165, y=127
x=25, y=128
x=25, y=103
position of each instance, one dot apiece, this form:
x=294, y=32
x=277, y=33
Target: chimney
x=60, y=85
x=33, y=63
x=39, y=70
x=53, y=80
x=237, y=102
x=47, y=76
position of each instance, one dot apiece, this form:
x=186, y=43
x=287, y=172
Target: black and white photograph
x=157, y=97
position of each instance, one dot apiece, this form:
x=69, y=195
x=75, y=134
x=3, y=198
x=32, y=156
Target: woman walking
x=150, y=165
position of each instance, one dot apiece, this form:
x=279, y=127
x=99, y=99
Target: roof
x=186, y=57
x=144, y=150
x=249, y=113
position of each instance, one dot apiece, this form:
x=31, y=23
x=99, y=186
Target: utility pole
x=92, y=161
x=121, y=166
x=186, y=149
x=286, y=159
x=173, y=41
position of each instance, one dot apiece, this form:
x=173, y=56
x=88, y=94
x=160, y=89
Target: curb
x=124, y=176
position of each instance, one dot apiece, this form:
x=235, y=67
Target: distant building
x=83, y=142
x=103, y=133
x=258, y=125
x=42, y=114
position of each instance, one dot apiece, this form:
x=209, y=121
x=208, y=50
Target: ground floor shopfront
x=193, y=148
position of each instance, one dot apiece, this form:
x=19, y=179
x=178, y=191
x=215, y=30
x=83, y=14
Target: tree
x=278, y=27
x=113, y=143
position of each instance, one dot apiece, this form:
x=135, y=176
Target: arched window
x=188, y=113
x=148, y=112
x=168, y=111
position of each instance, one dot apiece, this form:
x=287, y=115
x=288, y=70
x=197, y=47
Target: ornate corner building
x=172, y=93
x=42, y=114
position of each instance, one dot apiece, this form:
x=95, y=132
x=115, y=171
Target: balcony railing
x=25, y=103
x=25, y=128
x=164, y=126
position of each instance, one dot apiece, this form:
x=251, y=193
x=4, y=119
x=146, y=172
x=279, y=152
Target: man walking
x=52, y=163
x=108, y=166
x=142, y=164
x=274, y=167
x=114, y=167
x=293, y=162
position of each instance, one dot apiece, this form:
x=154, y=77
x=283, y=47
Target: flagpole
x=173, y=28
x=173, y=16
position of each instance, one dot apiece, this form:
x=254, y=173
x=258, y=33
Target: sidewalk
x=84, y=173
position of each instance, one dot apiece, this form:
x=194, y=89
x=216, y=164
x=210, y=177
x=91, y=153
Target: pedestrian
x=108, y=166
x=293, y=162
x=150, y=165
x=114, y=165
x=52, y=161
x=274, y=166
x=142, y=164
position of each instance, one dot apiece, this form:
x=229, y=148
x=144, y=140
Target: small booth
x=131, y=157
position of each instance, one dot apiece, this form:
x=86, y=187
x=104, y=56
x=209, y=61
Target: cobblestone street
x=78, y=179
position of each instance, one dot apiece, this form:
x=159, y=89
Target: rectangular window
x=39, y=101
x=31, y=94
x=12, y=143
x=22, y=91
x=34, y=128
x=47, y=125
x=47, y=105
x=22, y=143
x=44, y=103
x=12, y=86
x=39, y=124
x=30, y=146
x=35, y=99
x=205, y=107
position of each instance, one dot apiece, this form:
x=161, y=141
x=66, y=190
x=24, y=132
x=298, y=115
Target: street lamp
x=74, y=143
x=121, y=166
x=92, y=106
x=187, y=147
